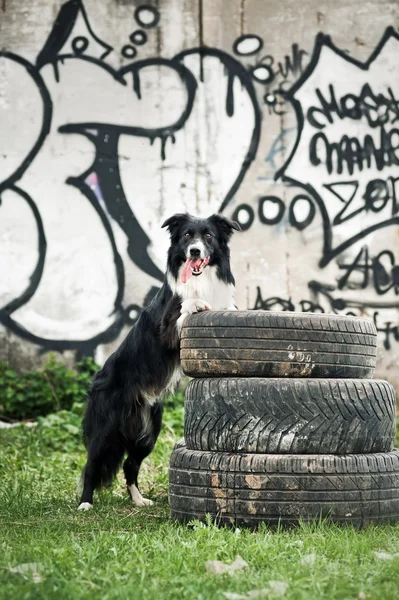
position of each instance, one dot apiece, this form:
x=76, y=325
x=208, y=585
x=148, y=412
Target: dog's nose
x=195, y=252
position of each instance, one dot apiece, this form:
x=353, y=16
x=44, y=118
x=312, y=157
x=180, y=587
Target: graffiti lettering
x=271, y=211
x=382, y=269
x=389, y=331
x=276, y=303
x=356, y=132
x=301, y=212
x=350, y=153
x=268, y=68
x=379, y=193
x=276, y=75
x=244, y=215
x=378, y=109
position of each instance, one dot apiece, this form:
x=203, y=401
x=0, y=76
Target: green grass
x=117, y=551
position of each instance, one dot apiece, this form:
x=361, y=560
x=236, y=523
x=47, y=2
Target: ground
x=117, y=551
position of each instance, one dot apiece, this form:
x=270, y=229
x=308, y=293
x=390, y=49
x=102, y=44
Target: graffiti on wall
x=101, y=155
x=345, y=163
x=345, y=154
x=129, y=135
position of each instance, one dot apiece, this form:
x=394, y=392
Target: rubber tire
x=290, y=416
x=281, y=490
x=266, y=344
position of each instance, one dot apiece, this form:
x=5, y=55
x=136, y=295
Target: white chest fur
x=218, y=294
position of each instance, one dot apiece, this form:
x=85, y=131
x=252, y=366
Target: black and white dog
x=124, y=411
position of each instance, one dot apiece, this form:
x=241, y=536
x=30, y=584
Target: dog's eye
x=187, y=235
x=208, y=235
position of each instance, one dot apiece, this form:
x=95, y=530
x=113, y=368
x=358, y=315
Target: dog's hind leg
x=131, y=467
x=103, y=462
x=89, y=484
x=138, y=451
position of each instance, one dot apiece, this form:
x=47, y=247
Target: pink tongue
x=190, y=263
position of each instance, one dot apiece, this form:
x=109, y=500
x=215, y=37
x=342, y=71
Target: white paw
x=143, y=502
x=189, y=307
x=85, y=506
x=137, y=498
x=193, y=306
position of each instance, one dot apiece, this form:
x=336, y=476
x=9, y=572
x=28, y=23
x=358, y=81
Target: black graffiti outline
x=165, y=132
x=128, y=51
x=234, y=69
x=138, y=37
x=328, y=251
x=293, y=221
x=351, y=153
x=281, y=304
x=271, y=99
x=282, y=208
x=359, y=107
x=271, y=220
x=47, y=107
x=292, y=64
x=83, y=347
x=138, y=241
x=59, y=34
x=341, y=217
x=84, y=189
x=379, y=272
x=151, y=9
x=261, y=67
x=10, y=184
x=271, y=303
x=388, y=330
x=339, y=304
x=87, y=346
x=242, y=38
x=75, y=47
x=36, y=274
x=251, y=216
x=62, y=28
x=363, y=263
x=138, y=252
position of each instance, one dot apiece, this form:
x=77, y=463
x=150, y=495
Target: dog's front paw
x=190, y=307
x=85, y=506
x=193, y=306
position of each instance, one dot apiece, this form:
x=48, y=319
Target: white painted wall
x=97, y=148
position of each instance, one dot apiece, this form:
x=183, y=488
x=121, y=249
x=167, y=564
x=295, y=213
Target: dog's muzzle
x=193, y=266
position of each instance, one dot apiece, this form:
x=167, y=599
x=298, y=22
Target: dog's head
x=197, y=243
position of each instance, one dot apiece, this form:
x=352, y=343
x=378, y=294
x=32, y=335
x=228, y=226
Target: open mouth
x=193, y=266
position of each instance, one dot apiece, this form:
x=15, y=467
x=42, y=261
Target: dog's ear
x=225, y=225
x=174, y=222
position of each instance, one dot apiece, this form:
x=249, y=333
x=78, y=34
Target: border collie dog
x=124, y=411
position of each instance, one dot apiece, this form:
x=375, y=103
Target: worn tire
x=290, y=416
x=281, y=344
x=247, y=489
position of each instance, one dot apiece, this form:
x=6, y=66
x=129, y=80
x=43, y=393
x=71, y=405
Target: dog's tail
x=103, y=472
x=101, y=435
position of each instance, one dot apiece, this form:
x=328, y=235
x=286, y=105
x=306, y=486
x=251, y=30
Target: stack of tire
x=283, y=422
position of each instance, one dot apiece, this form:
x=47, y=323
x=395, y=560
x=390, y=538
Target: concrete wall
x=98, y=147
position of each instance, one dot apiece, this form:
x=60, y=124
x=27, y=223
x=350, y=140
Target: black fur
x=119, y=420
